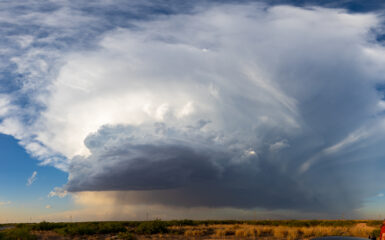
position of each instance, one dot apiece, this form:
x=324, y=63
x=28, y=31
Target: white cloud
x=256, y=74
x=24, y=40
x=32, y=178
x=82, y=99
x=5, y=105
x=138, y=76
x=58, y=192
x=279, y=145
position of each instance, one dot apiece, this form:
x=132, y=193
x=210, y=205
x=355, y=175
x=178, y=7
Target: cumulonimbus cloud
x=234, y=105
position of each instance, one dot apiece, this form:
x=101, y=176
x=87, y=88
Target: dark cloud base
x=193, y=175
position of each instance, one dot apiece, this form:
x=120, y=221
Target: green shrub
x=126, y=236
x=111, y=227
x=80, y=229
x=47, y=226
x=374, y=223
x=376, y=233
x=152, y=227
x=184, y=222
x=17, y=234
x=86, y=228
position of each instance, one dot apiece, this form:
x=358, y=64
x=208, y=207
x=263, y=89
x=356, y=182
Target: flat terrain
x=188, y=229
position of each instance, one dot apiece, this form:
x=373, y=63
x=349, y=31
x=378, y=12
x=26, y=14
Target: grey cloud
x=222, y=105
x=129, y=158
x=175, y=169
x=301, y=87
x=198, y=171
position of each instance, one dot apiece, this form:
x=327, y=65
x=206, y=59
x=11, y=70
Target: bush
x=111, y=227
x=81, y=229
x=184, y=222
x=84, y=228
x=17, y=233
x=376, y=233
x=152, y=227
x=374, y=223
x=126, y=236
x=47, y=226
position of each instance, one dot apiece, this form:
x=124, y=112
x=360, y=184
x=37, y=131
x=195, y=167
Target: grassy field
x=188, y=229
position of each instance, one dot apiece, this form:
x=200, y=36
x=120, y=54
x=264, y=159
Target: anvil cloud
x=229, y=105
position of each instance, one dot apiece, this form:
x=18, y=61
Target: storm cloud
x=281, y=93
x=239, y=105
x=201, y=171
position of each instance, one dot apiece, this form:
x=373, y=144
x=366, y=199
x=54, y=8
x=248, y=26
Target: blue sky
x=17, y=167
x=193, y=109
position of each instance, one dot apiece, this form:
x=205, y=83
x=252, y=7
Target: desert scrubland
x=188, y=229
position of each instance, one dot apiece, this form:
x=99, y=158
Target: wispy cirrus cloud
x=32, y=178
